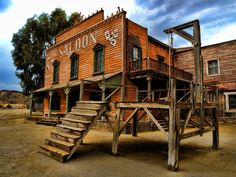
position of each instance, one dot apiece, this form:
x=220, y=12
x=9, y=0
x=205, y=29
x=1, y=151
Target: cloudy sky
x=217, y=19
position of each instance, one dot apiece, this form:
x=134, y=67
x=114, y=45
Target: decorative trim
x=111, y=36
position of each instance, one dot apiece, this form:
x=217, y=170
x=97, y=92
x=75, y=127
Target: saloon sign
x=87, y=40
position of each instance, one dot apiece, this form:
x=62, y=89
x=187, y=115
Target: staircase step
x=77, y=120
x=71, y=128
x=88, y=106
x=54, y=152
x=65, y=136
x=66, y=146
x=85, y=112
x=74, y=115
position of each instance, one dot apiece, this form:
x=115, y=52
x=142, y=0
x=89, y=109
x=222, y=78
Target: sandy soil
x=142, y=156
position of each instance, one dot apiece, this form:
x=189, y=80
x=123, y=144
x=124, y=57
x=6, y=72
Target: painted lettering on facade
x=87, y=40
x=78, y=43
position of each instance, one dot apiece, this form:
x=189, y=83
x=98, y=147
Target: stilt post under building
x=173, y=136
x=116, y=132
x=215, y=133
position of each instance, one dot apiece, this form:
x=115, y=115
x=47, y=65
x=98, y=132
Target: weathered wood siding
x=224, y=52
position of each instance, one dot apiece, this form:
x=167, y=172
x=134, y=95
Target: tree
x=32, y=40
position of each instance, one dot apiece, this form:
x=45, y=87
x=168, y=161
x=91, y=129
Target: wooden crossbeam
x=143, y=105
x=195, y=133
x=186, y=121
x=155, y=121
x=127, y=121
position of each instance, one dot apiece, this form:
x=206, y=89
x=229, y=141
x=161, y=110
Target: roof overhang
x=94, y=79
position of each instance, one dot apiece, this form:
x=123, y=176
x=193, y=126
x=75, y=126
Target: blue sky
x=217, y=19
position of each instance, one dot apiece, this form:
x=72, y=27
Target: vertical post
x=50, y=103
x=192, y=97
x=149, y=80
x=31, y=104
x=67, y=91
x=148, y=63
x=103, y=90
x=116, y=133
x=215, y=116
x=81, y=91
x=135, y=125
x=215, y=133
x=173, y=136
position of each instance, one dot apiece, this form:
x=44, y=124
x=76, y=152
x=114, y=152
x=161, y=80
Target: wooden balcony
x=148, y=65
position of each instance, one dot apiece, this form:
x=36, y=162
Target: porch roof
x=77, y=82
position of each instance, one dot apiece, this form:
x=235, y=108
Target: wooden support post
x=81, y=91
x=173, y=136
x=149, y=80
x=116, y=132
x=135, y=125
x=67, y=91
x=192, y=100
x=215, y=133
x=103, y=90
x=31, y=104
x=50, y=103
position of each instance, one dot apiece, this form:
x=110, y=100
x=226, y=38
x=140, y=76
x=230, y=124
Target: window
x=56, y=102
x=230, y=101
x=98, y=59
x=56, y=65
x=213, y=67
x=160, y=58
x=74, y=66
x=136, y=58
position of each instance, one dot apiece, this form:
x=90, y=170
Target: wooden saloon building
x=111, y=69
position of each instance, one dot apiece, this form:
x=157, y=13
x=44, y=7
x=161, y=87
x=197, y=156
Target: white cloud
x=15, y=17
x=219, y=34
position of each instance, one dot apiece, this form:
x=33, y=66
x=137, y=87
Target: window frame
x=227, y=103
x=74, y=66
x=207, y=67
x=56, y=77
x=137, y=62
x=96, y=49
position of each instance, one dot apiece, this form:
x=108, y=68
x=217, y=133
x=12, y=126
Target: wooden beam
x=186, y=121
x=155, y=121
x=127, y=120
x=173, y=136
x=112, y=93
x=116, y=132
x=215, y=134
x=143, y=105
x=195, y=133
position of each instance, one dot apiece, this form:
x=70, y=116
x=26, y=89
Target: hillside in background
x=12, y=97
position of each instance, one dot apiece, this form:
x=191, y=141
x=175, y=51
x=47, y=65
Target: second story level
x=98, y=46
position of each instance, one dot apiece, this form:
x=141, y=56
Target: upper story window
x=213, y=67
x=74, y=66
x=56, y=66
x=136, y=57
x=98, y=59
x=160, y=58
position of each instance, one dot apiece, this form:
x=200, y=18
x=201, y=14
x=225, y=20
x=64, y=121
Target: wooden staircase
x=161, y=118
x=74, y=127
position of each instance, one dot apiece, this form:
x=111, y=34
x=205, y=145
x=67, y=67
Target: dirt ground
x=142, y=156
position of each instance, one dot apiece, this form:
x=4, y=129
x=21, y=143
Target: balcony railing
x=159, y=67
